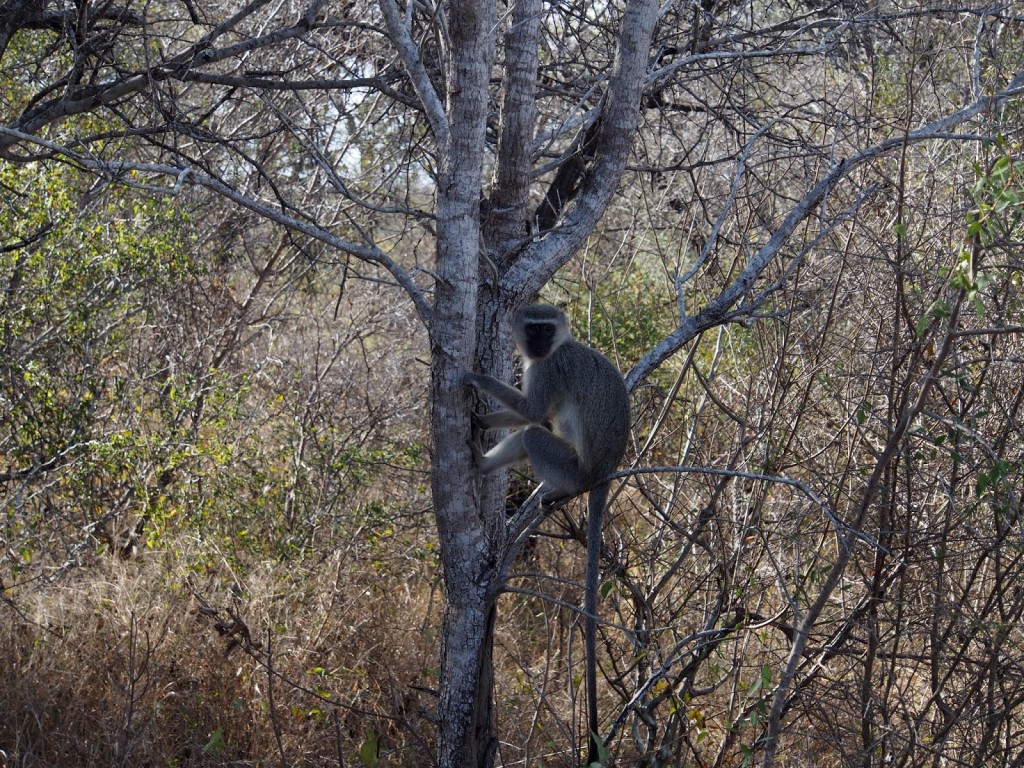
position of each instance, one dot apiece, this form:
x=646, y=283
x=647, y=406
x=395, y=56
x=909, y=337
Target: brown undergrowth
x=149, y=663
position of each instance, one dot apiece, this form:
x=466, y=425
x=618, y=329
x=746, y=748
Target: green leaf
x=982, y=484
x=1001, y=169
x=602, y=753
x=861, y=415
x=216, y=743
x=369, y=750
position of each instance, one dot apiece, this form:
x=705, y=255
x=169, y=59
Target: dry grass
x=144, y=663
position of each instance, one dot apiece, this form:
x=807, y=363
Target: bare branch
x=618, y=120
x=717, y=310
x=82, y=99
x=401, y=36
x=116, y=171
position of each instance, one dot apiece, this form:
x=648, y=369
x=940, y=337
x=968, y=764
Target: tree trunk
x=468, y=541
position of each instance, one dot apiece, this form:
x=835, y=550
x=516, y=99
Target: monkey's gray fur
x=581, y=395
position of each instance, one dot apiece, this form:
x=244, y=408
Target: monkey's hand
x=478, y=421
x=473, y=380
x=478, y=454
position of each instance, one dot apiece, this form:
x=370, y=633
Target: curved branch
x=368, y=253
x=409, y=53
x=618, y=121
x=719, y=309
x=77, y=101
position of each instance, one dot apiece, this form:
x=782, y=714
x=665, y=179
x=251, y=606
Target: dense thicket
x=225, y=244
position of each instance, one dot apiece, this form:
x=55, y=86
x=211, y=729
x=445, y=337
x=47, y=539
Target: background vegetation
x=216, y=540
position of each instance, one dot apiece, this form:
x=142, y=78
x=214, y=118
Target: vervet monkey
x=573, y=415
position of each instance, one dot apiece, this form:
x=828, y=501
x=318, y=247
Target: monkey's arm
x=508, y=396
x=529, y=410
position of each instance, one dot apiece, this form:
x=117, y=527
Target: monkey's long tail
x=596, y=501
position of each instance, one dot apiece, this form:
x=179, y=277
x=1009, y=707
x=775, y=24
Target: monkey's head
x=539, y=330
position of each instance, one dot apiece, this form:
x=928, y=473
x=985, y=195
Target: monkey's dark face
x=539, y=339
x=539, y=329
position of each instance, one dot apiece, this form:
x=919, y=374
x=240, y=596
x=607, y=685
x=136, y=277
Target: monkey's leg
x=500, y=420
x=511, y=450
x=553, y=460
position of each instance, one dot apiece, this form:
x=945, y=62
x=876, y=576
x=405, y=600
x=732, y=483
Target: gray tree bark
x=467, y=537
x=470, y=323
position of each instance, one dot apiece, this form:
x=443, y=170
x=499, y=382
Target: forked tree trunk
x=470, y=315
